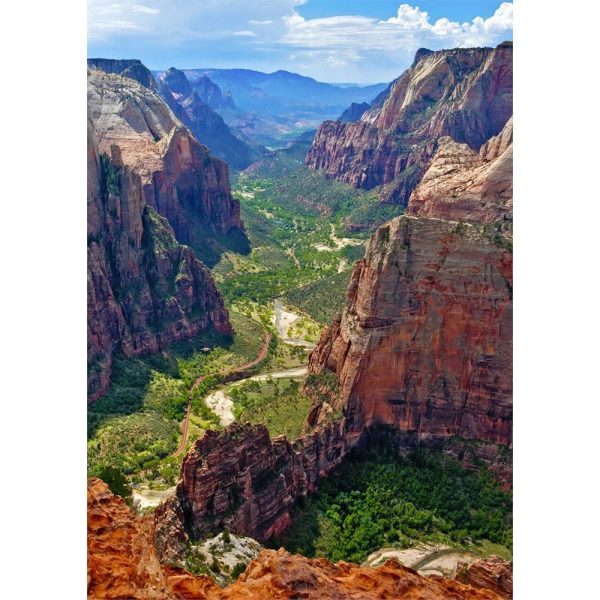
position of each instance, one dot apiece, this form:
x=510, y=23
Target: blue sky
x=363, y=41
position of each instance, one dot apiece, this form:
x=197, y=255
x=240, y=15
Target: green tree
x=117, y=482
x=226, y=536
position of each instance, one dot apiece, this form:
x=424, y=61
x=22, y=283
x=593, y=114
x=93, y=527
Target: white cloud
x=145, y=9
x=410, y=29
x=179, y=21
x=272, y=34
x=410, y=18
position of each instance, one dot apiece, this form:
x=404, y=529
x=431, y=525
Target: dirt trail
x=261, y=355
x=427, y=559
x=338, y=243
x=144, y=497
x=220, y=401
x=284, y=319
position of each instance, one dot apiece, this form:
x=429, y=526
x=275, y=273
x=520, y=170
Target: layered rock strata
x=463, y=185
x=122, y=563
x=179, y=178
x=240, y=479
x=490, y=573
x=145, y=290
x=425, y=340
x=465, y=94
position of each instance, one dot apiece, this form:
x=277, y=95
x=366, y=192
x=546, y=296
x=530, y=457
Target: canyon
x=191, y=105
x=422, y=348
x=465, y=94
x=153, y=191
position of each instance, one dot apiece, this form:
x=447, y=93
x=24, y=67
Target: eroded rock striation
x=425, y=340
x=240, y=479
x=122, y=563
x=179, y=177
x=145, y=290
x=464, y=93
x=463, y=185
x=490, y=573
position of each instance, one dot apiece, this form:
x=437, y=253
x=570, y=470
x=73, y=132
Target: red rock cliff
x=463, y=185
x=122, y=563
x=462, y=93
x=179, y=178
x=490, y=573
x=425, y=340
x=240, y=479
x=145, y=290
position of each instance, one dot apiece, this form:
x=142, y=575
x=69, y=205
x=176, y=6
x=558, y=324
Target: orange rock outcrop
x=490, y=573
x=122, y=564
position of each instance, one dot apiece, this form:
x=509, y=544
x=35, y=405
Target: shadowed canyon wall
x=151, y=188
x=145, y=289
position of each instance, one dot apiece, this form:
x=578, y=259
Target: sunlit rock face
x=463, y=185
x=179, y=177
x=425, y=340
x=465, y=94
x=123, y=563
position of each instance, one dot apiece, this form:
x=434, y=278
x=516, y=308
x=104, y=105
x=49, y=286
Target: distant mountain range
x=274, y=108
x=279, y=92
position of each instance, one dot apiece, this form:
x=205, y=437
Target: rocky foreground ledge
x=122, y=563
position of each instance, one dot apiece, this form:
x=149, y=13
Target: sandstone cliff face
x=240, y=479
x=463, y=185
x=145, y=290
x=179, y=178
x=491, y=573
x=425, y=340
x=202, y=120
x=280, y=576
x=122, y=563
x=462, y=93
